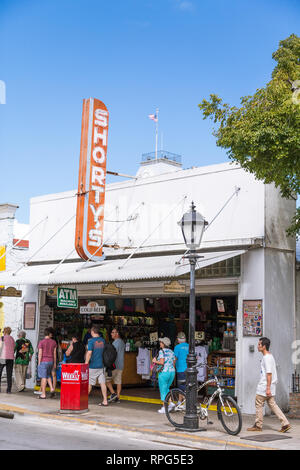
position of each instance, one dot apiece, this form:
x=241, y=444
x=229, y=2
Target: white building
x=248, y=229
x=13, y=251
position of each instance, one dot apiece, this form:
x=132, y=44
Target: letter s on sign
x=95, y=237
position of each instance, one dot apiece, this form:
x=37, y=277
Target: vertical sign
x=252, y=318
x=91, y=184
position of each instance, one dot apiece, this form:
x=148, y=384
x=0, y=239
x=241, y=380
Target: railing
x=161, y=155
x=296, y=383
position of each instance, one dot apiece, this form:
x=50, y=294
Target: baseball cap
x=181, y=335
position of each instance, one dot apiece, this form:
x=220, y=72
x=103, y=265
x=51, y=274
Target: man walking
x=94, y=357
x=266, y=389
x=181, y=351
x=119, y=344
x=47, y=362
x=24, y=353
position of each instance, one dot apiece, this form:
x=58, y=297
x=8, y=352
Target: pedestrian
x=7, y=357
x=119, y=344
x=59, y=358
x=23, y=354
x=166, y=359
x=47, y=362
x=76, y=351
x=94, y=357
x=266, y=388
x=181, y=351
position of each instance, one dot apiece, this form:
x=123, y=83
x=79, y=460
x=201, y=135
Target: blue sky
x=134, y=55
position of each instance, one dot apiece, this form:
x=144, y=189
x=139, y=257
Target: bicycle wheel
x=175, y=406
x=229, y=415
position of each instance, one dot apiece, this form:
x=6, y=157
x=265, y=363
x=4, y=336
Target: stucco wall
x=209, y=187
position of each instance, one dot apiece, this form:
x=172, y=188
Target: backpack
x=109, y=356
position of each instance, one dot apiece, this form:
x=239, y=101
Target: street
x=35, y=433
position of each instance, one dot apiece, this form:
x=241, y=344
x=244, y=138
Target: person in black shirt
x=76, y=351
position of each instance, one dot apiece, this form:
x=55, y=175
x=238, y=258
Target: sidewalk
x=143, y=418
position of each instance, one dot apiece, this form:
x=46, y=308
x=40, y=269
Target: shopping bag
x=29, y=371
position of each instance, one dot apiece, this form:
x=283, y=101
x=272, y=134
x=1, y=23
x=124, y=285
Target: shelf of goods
x=222, y=364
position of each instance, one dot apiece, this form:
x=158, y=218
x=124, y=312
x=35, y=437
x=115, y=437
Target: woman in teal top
x=166, y=358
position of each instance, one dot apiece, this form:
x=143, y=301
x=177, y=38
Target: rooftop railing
x=161, y=155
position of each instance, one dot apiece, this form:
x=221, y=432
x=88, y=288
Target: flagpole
x=156, y=136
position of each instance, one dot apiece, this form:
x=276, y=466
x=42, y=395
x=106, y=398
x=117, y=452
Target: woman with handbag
x=7, y=357
x=166, y=372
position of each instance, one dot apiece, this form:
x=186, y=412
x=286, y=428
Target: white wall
x=248, y=363
x=209, y=187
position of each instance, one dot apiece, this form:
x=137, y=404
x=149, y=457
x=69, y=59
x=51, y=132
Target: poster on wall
x=29, y=315
x=252, y=318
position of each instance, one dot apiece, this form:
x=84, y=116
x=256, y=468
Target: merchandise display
x=139, y=320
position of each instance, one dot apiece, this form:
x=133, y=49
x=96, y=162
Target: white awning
x=146, y=268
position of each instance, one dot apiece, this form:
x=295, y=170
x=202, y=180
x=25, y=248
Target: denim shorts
x=45, y=369
x=181, y=379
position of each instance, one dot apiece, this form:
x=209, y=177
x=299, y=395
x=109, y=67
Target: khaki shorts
x=95, y=374
x=116, y=377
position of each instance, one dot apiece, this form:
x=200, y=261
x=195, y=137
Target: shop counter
x=130, y=377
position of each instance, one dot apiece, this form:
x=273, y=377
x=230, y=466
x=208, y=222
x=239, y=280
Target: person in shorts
x=46, y=362
x=94, y=357
x=181, y=351
x=119, y=344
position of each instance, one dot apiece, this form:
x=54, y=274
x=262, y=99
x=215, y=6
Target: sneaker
x=254, y=428
x=285, y=428
x=171, y=407
x=161, y=410
x=112, y=398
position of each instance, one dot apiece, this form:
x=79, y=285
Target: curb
x=211, y=443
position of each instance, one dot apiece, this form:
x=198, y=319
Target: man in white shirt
x=266, y=389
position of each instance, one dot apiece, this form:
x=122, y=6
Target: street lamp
x=192, y=226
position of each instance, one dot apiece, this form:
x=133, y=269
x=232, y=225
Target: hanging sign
x=66, y=297
x=92, y=308
x=111, y=289
x=91, y=184
x=174, y=287
x=52, y=291
x=220, y=306
x=10, y=292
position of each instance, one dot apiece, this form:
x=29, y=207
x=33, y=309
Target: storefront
x=245, y=282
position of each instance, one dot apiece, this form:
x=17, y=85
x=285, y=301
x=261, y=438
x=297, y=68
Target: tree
x=263, y=134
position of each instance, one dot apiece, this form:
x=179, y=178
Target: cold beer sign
x=91, y=185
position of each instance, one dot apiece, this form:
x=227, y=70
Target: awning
x=146, y=268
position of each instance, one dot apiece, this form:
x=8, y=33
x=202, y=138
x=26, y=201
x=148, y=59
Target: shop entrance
x=141, y=321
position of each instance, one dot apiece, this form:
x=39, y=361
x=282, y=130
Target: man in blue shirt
x=181, y=351
x=94, y=357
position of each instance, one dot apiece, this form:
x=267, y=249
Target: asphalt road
x=34, y=433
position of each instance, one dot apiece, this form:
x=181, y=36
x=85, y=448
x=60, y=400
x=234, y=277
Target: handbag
x=29, y=371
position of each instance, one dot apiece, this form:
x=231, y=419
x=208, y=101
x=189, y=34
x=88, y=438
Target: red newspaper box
x=74, y=395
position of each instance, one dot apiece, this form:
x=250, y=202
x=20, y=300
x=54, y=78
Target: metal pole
x=191, y=420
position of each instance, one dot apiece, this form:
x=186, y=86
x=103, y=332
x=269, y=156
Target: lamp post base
x=182, y=428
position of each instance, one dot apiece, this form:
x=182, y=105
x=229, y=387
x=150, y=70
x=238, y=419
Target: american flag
x=153, y=117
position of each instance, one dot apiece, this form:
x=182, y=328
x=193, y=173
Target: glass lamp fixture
x=192, y=226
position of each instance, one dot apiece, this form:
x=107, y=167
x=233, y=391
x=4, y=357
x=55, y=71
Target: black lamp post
x=192, y=226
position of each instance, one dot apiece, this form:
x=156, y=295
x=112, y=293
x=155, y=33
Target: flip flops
x=102, y=404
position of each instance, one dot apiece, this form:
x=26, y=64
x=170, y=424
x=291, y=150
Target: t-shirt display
x=268, y=366
x=96, y=345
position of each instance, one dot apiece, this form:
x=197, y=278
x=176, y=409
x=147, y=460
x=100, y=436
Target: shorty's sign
x=91, y=184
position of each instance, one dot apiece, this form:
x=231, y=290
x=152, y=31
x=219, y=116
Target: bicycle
x=227, y=409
